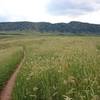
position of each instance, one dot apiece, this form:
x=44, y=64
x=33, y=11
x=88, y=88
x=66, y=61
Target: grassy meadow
x=55, y=67
x=9, y=58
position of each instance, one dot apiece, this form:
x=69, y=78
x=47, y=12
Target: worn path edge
x=6, y=92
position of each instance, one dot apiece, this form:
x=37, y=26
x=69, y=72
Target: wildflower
x=27, y=78
x=59, y=71
x=72, y=80
x=35, y=89
x=66, y=97
x=33, y=95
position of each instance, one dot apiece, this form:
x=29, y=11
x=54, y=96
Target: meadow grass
x=9, y=59
x=59, y=68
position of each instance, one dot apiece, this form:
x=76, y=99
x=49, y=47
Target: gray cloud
x=72, y=7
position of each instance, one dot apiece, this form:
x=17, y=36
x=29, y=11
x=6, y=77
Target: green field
x=55, y=67
x=9, y=58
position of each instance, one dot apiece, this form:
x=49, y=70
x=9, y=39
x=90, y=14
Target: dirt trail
x=7, y=90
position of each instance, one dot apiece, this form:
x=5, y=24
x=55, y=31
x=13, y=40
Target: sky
x=53, y=11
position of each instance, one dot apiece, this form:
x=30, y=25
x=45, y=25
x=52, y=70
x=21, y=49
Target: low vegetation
x=59, y=68
x=54, y=68
x=9, y=60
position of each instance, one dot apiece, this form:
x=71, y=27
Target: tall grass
x=60, y=68
x=9, y=60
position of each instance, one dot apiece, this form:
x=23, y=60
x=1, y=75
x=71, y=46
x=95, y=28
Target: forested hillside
x=72, y=27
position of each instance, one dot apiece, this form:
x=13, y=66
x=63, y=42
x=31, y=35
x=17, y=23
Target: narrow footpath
x=6, y=92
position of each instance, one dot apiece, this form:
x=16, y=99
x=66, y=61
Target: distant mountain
x=72, y=27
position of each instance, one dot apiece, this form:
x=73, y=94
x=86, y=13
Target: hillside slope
x=72, y=27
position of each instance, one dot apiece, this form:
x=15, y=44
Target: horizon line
x=47, y=22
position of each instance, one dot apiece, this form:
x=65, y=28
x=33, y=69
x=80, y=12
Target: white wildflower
x=35, y=89
x=66, y=97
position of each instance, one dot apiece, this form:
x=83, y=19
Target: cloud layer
x=20, y=10
x=50, y=10
x=72, y=7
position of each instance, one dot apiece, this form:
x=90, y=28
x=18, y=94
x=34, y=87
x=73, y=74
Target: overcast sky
x=50, y=10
